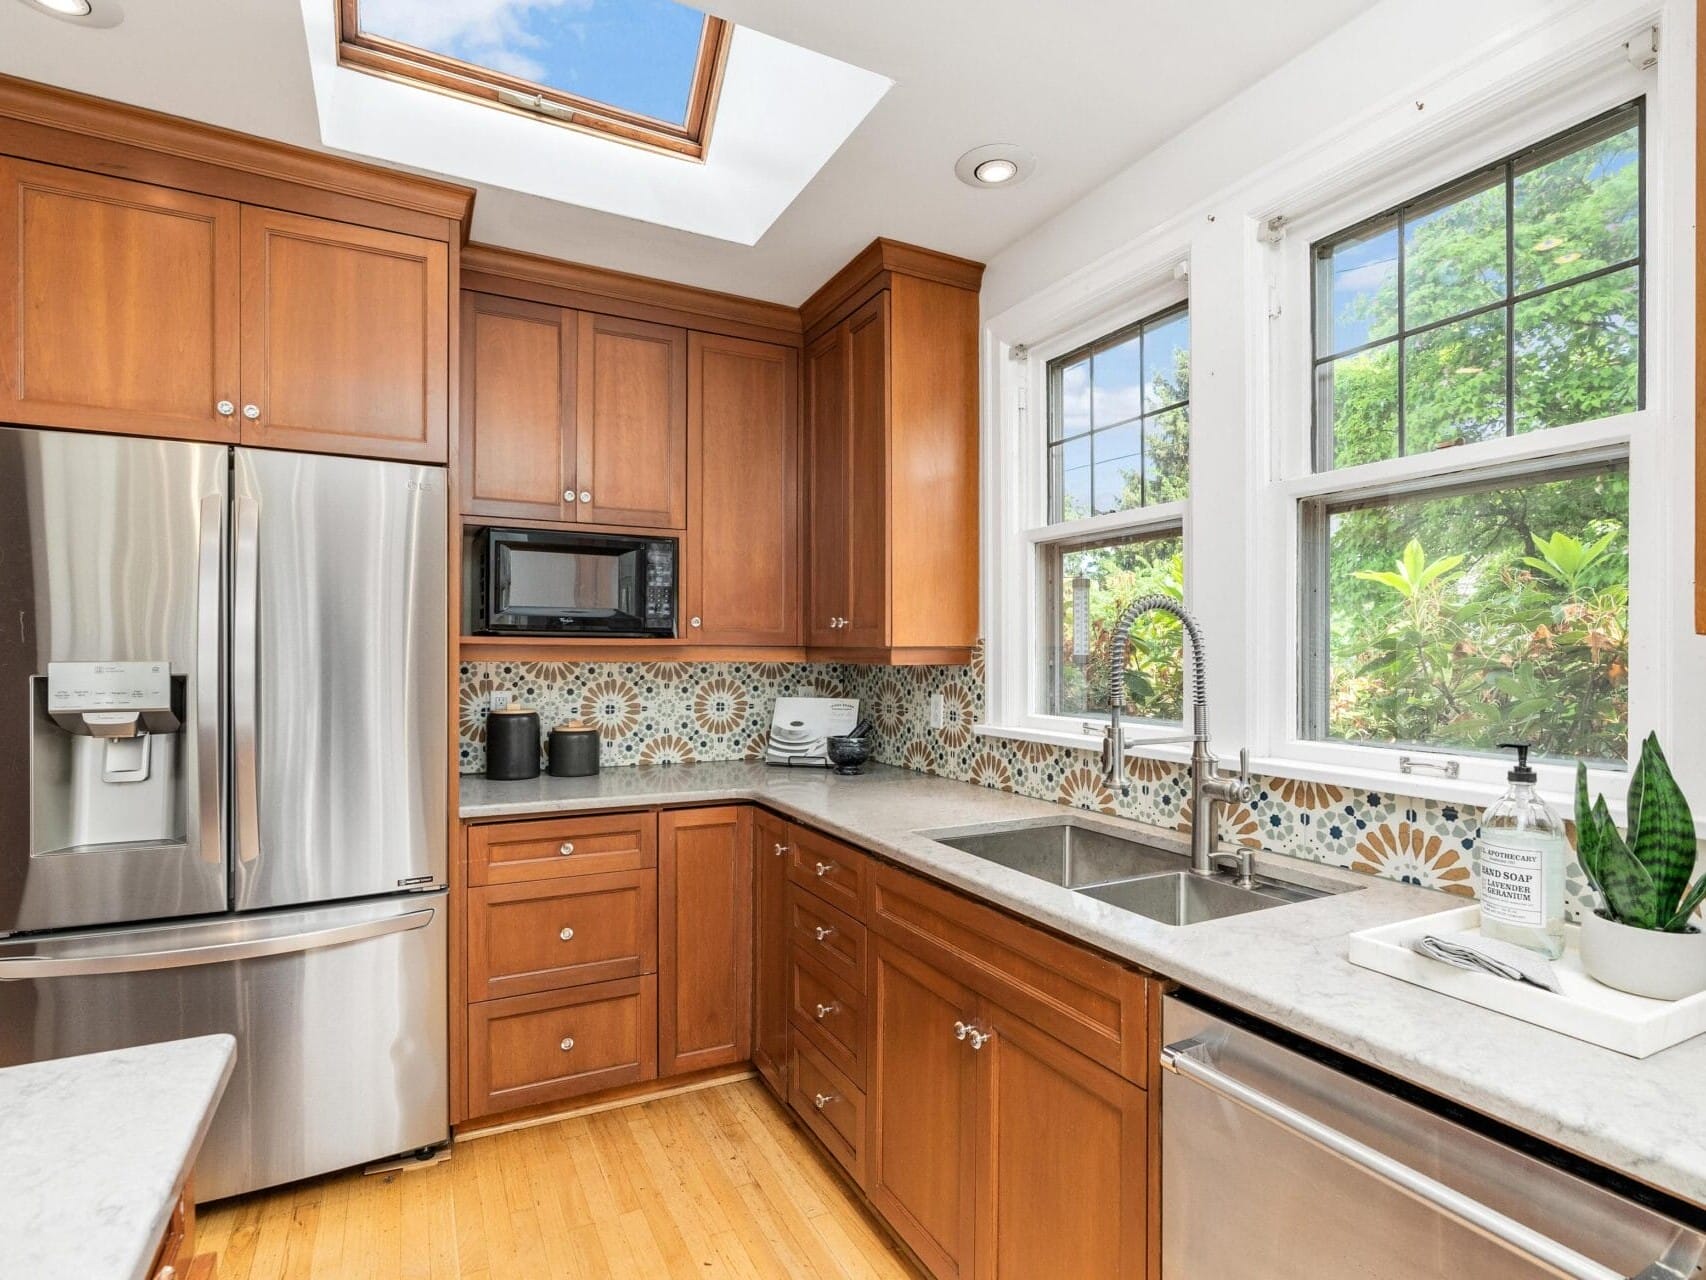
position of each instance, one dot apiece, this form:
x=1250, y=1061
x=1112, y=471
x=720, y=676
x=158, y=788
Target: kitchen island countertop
x=1644, y=1118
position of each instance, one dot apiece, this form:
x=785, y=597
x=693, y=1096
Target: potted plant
x=1641, y=938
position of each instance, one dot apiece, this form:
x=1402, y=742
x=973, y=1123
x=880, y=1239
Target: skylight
x=643, y=71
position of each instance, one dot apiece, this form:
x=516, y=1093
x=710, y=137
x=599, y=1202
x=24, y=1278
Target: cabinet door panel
x=868, y=478
x=705, y=938
x=921, y=1110
x=118, y=304
x=770, y=951
x=631, y=423
x=744, y=463
x=1062, y=1157
x=518, y=403
x=345, y=346
x=830, y=466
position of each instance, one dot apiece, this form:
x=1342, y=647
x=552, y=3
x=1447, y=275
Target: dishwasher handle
x=1189, y=1059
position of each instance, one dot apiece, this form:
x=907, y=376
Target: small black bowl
x=847, y=753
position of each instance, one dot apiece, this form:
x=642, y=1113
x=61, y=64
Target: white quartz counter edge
x=1645, y=1118
x=93, y=1150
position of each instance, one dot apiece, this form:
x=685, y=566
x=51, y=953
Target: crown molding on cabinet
x=869, y=272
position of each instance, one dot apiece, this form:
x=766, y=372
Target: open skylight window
x=642, y=71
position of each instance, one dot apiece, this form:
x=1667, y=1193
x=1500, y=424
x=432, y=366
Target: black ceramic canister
x=512, y=744
x=573, y=751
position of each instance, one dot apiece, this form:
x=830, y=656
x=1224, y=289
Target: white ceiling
x=1088, y=85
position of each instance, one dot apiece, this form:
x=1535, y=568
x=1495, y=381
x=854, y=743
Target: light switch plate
x=937, y=715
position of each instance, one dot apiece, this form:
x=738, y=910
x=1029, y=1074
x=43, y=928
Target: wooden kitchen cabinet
x=518, y=408
x=118, y=305
x=742, y=575
x=892, y=444
x=631, y=423
x=705, y=905
x=770, y=950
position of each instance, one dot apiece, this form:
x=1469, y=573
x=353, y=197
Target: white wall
x=1376, y=95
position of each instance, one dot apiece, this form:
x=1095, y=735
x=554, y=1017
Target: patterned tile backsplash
x=674, y=712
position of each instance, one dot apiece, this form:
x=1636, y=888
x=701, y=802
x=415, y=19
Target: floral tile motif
x=672, y=712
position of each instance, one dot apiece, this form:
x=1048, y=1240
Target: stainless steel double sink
x=1123, y=872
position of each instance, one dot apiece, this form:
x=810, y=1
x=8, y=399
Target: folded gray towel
x=1469, y=950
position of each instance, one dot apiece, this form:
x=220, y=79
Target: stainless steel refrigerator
x=223, y=769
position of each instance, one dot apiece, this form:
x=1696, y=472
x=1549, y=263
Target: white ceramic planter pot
x=1643, y=962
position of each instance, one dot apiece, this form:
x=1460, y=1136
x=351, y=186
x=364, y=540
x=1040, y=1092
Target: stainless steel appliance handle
x=209, y=660
x=1188, y=1058
x=17, y=969
x=245, y=674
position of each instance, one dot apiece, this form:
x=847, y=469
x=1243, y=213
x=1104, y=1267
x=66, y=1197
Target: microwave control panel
x=660, y=584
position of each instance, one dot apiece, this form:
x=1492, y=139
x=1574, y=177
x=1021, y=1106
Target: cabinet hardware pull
x=824, y=1010
x=568, y=495
x=693, y=622
x=251, y=411
x=824, y=868
x=781, y=849
x=568, y=1043
x=978, y=1038
x=822, y=1100
x=585, y=496
x=566, y=848
x=961, y=1031
x=822, y=931
x=225, y=408
x=567, y=934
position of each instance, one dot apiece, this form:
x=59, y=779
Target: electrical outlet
x=938, y=714
x=500, y=699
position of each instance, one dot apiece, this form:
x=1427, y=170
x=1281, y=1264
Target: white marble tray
x=1586, y=1010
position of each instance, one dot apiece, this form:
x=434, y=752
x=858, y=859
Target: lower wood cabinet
x=705, y=937
x=560, y=1044
x=532, y=937
x=770, y=950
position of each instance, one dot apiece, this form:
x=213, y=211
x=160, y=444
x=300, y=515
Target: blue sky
x=633, y=54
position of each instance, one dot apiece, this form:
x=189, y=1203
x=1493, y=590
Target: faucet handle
x=1246, y=784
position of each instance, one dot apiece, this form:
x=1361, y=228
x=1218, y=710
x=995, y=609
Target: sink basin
x=1183, y=898
x=1065, y=854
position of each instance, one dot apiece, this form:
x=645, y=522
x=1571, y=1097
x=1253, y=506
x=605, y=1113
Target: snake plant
x=1644, y=880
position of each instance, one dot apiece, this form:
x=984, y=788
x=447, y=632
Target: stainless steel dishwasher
x=1283, y=1163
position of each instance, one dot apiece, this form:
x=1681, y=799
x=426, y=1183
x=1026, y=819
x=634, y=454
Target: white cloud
x=493, y=33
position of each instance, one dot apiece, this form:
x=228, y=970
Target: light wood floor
x=712, y=1183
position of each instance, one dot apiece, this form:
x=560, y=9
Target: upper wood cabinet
x=631, y=423
x=140, y=309
x=345, y=338
x=518, y=408
x=892, y=442
x=742, y=575
x=118, y=305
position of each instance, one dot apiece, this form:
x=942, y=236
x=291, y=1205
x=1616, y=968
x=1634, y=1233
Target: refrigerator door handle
x=71, y=965
x=209, y=660
x=1190, y=1059
x=245, y=674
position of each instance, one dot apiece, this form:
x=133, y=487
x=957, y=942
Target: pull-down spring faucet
x=1210, y=785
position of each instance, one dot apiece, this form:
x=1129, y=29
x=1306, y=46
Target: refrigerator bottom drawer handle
x=73, y=965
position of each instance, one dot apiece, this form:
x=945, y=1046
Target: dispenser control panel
x=109, y=686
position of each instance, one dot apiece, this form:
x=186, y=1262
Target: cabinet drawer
x=1090, y=1002
x=541, y=1048
x=505, y=852
x=561, y=933
x=831, y=1014
x=834, y=939
x=831, y=1105
x=835, y=872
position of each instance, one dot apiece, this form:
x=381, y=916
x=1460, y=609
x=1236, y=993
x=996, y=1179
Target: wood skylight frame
x=410, y=64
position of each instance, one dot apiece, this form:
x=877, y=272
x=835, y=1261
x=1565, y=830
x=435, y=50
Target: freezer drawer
x=1276, y=1164
x=339, y=1015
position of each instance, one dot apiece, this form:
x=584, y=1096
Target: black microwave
x=562, y=583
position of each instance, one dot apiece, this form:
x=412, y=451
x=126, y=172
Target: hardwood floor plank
x=716, y=1184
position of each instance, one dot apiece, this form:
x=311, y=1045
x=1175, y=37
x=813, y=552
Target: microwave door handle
x=245, y=675
x=1189, y=1059
x=209, y=675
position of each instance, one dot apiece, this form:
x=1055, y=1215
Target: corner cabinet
x=133, y=308
x=892, y=447
x=705, y=938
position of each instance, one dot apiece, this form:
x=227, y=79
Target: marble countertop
x=1645, y=1118
x=93, y=1151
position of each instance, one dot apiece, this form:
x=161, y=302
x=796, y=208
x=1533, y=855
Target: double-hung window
x=1118, y=452
x=1464, y=549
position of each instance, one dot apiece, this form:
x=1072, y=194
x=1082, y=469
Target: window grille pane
x=1105, y=577
x=1578, y=352
x=1579, y=212
x=1454, y=383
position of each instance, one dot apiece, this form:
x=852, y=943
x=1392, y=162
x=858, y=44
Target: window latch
x=1444, y=768
x=536, y=103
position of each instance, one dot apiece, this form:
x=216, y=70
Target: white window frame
x=1251, y=400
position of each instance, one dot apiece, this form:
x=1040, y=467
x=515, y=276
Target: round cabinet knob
x=824, y=868
x=979, y=1038
x=824, y=1010
x=961, y=1031
x=822, y=1100
x=225, y=408
x=568, y=1043
x=568, y=495
x=693, y=622
x=567, y=934
x=566, y=848
x=251, y=411
x=820, y=932
x=781, y=849
x=585, y=496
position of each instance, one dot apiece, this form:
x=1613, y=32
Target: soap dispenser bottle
x=1523, y=852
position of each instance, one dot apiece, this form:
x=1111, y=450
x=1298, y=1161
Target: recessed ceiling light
x=1000, y=164
x=82, y=13
x=66, y=8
